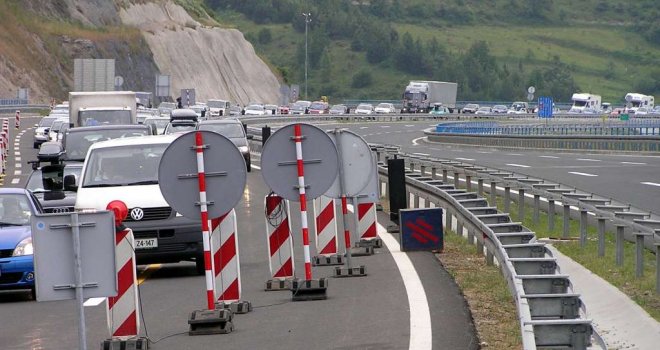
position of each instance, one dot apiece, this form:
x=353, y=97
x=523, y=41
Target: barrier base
x=305, y=290
x=205, y=322
x=236, y=307
x=328, y=260
x=125, y=344
x=276, y=285
x=362, y=251
x=370, y=242
x=392, y=228
x=379, y=207
x=359, y=271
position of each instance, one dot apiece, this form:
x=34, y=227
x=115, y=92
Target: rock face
x=218, y=63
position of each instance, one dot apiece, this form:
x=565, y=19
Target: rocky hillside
x=40, y=39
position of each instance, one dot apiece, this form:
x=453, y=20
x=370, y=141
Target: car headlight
x=243, y=149
x=178, y=214
x=24, y=248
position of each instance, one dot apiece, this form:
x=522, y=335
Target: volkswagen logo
x=137, y=214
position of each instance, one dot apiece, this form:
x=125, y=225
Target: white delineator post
x=226, y=263
x=206, y=239
x=326, y=226
x=280, y=242
x=297, y=133
x=18, y=120
x=122, y=310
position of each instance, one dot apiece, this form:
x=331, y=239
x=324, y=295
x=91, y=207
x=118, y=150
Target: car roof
x=13, y=190
x=134, y=141
x=221, y=121
x=108, y=127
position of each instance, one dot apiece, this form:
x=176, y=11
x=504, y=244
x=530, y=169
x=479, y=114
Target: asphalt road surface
x=372, y=312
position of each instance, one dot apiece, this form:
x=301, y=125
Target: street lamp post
x=307, y=20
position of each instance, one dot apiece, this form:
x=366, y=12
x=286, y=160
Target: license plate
x=146, y=243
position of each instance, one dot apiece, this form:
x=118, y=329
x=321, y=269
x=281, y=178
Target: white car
x=385, y=108
x=642, y=111
x=364, y=108
x=255, y=110
x=471, y=108
x=484, y=110
x=55, y=128
x=499, y=109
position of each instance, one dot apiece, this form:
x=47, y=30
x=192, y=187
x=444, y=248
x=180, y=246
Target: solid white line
x=422, y=154
x=582, y=174
x=15, y=181
x=421, y=333
x=551, y=157
x=409, y=126
x=514, y=154
x=256, y=167
x=93, y=301
x=484, y=152
x=633, y=163
x=364, y=127
x=519, y=165
x=417, y=139
x=588, y=160
x=464, y=159
x=651, y=184
x=384, y=126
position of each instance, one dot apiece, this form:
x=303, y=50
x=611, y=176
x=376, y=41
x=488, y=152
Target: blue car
x=17, y=205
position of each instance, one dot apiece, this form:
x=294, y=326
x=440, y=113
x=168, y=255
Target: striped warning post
x=123, y=310
x=367, y=221
x=278, y=236
x=226, y=263
x=326, y=225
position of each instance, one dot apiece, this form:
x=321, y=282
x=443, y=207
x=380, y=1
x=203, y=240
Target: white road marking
x=582, y=174
x=420, y=317
x=415, y=141
x=17, y=153
x=256, y=167
x=470, y=159
x=422, y=154
x=409, y=126
x=484, y=152
x=16, y=144
x=633, y=163
x=588, y=160
x=384, y=126
x=18, y=165
x=519, y=165
x=17, y=160
x=17, y=172
x=514, y=154
x=15, y=181
x=651, y=184
x=93, y=301
x=551, y=157
x=364, y=127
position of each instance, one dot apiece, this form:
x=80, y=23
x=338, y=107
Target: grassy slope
x=591, y=49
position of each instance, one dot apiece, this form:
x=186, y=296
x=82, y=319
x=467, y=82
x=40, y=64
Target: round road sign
x=279, y=165
x=531, y=90
x=224, y=169
x=356, y=163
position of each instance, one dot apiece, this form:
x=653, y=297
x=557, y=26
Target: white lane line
x=422, y=154
x=17, y=153
x=18, y=165
x=588, y=160
x=364, y=127
x=470, y=159
x=384, y=126
x=256, y=167
x=409, y=126
x=93, y=301
x=420, y=317
x=651, y=184
x=416, y=141
x=17, y=159
x=582, y=174
x=17, y=172
x=633, y=163
x=484, y=152
x=550, y=157
x=15, y=181
x=519, y=165
x=514, y=154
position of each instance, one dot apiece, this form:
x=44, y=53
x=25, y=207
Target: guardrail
x=647, y=127
x=23, y=108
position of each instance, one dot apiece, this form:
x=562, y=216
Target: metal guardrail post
x=459, y=226
x=567, y=221
x=434, y=172
x=601, y=236
x=551, y=214
x=445, y=177
x=411, y=166
x=480, y=244
x=457, y=178
x=537, y=208
x=507, y=198
x=480, y=187
x=583, y=227
x=493, y=194
x=619, y=244
x=657, y=268
x=415, y=200
x=470, y=236
x=468, y=182
x=450, y=223
x=422, y=169
x=639, y=253
x=521, y=204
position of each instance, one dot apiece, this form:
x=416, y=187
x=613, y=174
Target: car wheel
x=248, y=164
x=199, y=265
x=35, y=145
x=33, y=294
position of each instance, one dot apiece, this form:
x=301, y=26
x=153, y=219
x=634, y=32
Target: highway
x=372, y=312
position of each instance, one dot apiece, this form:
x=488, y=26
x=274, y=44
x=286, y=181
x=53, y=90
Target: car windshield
x=36, y=180
x=579, y=103
x=230, y=130
x=14, y=210
x=383, y=105
x=338, y=108
x=364, y=106
x=499, y=107
x=56, y=125
x=103, y=117
x=179, y=127
x=471, y=106
x=254, y=108
x=76, y=144
x=123, y=166
x=216, y=104
x=47, y=121
x=317, y=106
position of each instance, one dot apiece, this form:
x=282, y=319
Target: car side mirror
x=70, y=183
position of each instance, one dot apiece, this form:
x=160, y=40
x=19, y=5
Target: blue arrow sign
x=545, y=107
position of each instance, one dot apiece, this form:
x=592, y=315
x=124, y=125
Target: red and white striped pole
x=326, y=226
x=280, y=242
x=347, y=233
x=206, y=234
x=297, y=133
x=18, y=120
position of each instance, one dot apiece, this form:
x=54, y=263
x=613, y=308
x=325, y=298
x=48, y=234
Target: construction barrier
x=122, y=310
x=367, y=221
x=280, y=242
x=326, y=226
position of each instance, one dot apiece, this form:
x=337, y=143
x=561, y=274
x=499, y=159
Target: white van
x=584, y=103
x=127, y=170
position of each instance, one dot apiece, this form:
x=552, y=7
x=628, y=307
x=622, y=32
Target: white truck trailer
x=420, y=96
x=635, y=100
x=102, y=107
x=585, y=103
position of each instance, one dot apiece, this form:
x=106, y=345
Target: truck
x=585, y=103
x=636, y=100
x=218, y=108
x=421, y=96
x=102, y=107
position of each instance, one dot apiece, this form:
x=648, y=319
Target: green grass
x=641, y=290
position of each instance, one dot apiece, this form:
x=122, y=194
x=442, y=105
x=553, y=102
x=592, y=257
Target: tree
x=362, y=79
x=265, y=36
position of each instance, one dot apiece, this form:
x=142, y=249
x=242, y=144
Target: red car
x=283, y=110
x=319, y=107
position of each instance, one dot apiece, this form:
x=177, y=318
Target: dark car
x=16, y=251
x=48, y=186
x=76, y=141
x=233, y=130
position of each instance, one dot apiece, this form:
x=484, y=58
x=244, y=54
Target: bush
x=362, y=79
x=265, y=36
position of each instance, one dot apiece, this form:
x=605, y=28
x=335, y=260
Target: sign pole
x=82, y=334
x=297, y=136
x=206, y=238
